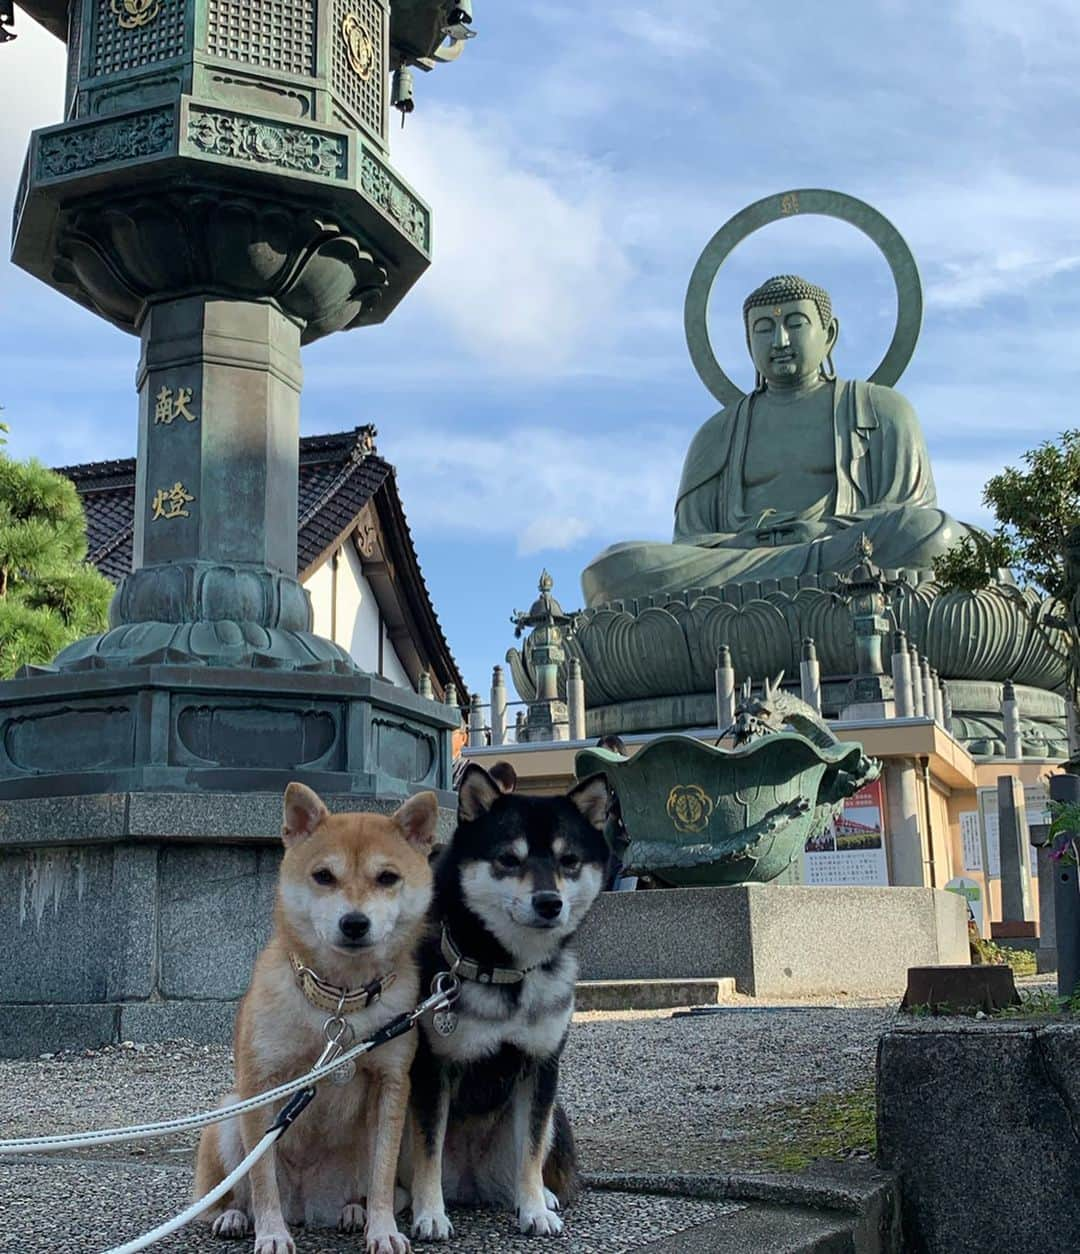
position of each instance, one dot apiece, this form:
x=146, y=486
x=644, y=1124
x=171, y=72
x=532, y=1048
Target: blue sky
x=534, y=389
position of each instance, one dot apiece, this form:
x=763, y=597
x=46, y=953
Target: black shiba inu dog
x=511, y=890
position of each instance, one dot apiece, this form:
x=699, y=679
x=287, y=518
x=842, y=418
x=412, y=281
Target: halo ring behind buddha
x=761, y=213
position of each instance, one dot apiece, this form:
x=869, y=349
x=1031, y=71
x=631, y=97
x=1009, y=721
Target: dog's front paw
x=352, y=1218
x=550, y=1200
x=432, y=1226
x=392, y=1242
x=231, y=1224
x=539, y=1221
x=275, y=1243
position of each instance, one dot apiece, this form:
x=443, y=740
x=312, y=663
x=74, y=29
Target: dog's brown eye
x=508, y=861
x=388, y=879
x=569, y=863
x=323, y=876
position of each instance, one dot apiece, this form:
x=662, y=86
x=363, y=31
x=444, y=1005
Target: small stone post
x=901, y=672
x=1010, y=717
x=423, y=685
x=907, y=858
x=450, y=696
x=476, y=722
x=521, y=727
x=498, y=707
x=810, y=675
x=575, y=699
x=946, y=706
x=918, y=709
x=1066, y=899
x=725, y=689
x=1016, y=912
x=927, y=687
x=939, y=701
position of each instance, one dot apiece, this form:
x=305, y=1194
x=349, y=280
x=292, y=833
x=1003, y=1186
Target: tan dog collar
x=335, y=1000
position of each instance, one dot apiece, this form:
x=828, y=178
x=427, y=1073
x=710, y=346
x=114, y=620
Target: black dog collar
x=467, y=969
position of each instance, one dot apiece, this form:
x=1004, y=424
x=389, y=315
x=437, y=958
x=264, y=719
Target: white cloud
x=547, y=489
x=32, y=74
x=529, y=270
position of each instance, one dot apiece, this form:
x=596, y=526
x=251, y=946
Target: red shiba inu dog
x=353, y=893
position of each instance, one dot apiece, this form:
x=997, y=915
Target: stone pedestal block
x=138, y=915
x=205, y=729
x=978, y=1121
x=775, y=941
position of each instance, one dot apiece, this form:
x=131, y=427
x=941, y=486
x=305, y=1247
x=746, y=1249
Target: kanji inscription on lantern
x=170, y=502
x=132, y=14
x=169, y=406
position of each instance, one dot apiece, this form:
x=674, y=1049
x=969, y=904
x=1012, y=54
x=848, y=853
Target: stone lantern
x=548, y=717
x=866, y=590
x=221, y=188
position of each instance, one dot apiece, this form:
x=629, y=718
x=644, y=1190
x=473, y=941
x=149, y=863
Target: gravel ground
x=645, y=1091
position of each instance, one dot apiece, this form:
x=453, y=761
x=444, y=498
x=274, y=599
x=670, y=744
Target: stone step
x=776, y=1229
x=652, y=994
x=831, y=1208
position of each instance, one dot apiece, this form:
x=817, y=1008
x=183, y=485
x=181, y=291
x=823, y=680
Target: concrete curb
x=867, y=1197
x=651, y=994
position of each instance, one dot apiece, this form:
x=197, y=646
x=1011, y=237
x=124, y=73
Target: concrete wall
x=776, y=941
x=136, y=916
x=979, y=1121
x=354, y=622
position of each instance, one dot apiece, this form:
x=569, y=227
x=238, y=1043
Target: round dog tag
x=344, y=1074
x=445, y=1022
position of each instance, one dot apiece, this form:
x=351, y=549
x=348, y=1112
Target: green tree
x=1036, y=535
x=49, y=596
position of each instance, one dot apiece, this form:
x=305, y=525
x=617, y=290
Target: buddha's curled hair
x=784, y=287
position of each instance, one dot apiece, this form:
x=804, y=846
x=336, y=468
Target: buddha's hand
x=797, y=531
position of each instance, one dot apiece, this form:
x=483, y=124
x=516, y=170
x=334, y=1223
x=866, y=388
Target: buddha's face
x=788, y=342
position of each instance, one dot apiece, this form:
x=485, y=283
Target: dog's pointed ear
x=418, y=818
x=302, y=813
x=477, y=793
x=593, y=799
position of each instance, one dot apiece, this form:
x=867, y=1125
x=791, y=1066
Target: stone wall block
x=980, y=1123
x=216, y=906
x=133, y=901
x=57, y=921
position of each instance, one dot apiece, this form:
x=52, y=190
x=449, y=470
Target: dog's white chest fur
x=488, y=1017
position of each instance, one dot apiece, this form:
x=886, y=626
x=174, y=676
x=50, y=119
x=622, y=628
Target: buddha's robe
x=884, y=488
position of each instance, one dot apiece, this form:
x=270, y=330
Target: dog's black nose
x=354, y=926
x=547, y=905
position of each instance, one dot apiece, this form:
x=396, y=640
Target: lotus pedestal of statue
x=780, y=492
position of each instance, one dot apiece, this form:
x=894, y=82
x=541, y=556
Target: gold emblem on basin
x=689, y=807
